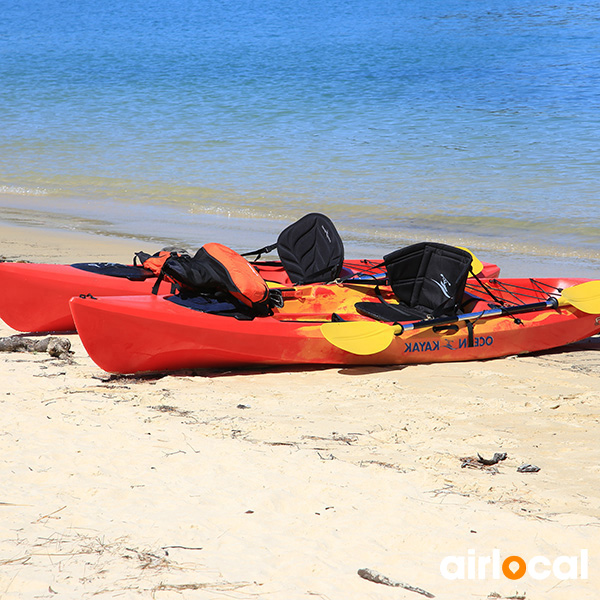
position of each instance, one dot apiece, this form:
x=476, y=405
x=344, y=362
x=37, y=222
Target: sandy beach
x=284, y=484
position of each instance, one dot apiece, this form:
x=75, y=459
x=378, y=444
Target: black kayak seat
x=311, y=250
x=428, y=280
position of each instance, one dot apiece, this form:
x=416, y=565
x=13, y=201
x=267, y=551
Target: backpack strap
x=261, y=251
x=154, y=262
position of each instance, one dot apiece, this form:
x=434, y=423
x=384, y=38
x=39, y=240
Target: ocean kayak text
x=432, y=346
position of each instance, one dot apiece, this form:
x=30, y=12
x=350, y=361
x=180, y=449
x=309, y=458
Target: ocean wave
x=22, y=191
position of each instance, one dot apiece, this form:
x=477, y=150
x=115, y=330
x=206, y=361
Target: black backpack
x=217, y=269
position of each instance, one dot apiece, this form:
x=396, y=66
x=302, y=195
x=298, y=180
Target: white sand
x=281, y=485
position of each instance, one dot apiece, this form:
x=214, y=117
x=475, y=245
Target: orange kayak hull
x=148, y=333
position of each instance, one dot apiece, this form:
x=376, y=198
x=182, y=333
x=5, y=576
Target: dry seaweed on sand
x=375, y=577
x=55, y=346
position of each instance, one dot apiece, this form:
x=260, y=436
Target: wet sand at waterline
x=283, y=484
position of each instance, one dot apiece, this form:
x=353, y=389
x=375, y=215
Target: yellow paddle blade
x=360, y=337
x=585, y=297
x=476, y=264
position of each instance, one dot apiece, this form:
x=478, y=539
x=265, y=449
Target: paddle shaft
x=492, y=312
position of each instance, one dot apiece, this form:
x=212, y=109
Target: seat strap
x=261, y=251
x=471, y=341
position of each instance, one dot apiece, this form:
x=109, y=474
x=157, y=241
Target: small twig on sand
x=376, y=577
x=21, y=559
x=50, y=515
x=54, y=346
x=220, y=587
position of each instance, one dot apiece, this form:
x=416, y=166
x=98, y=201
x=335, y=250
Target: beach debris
x=385, y=465
x=172, y=410
x=148, y=560
x=167, y=548
x=219, y=587
x=527, y=469
x=45, y=518
x=335, y=437
x=498, y=456
x=54, y=346
x=484, y=464
x=449, y=489
x=375, y=577
x=330, y=457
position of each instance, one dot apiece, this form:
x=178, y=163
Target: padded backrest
x=311, y=250
x=429, y=276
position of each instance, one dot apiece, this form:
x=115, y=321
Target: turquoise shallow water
x=189, y=121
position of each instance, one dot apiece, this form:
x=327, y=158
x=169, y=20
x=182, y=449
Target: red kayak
x=35, y=297
x=153, y=333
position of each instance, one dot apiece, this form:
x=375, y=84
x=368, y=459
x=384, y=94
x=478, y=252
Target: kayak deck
x=35, y=297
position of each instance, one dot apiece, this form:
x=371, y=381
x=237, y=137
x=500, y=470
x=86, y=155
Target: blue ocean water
x=463, y=121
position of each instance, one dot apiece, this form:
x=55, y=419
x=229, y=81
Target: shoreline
x=158, y=226
x=283, y=484
x=36, y=244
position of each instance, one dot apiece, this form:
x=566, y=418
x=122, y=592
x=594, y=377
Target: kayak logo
x=514, y=567
x=449, y=344
x=326, y=233
x=443, y=284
